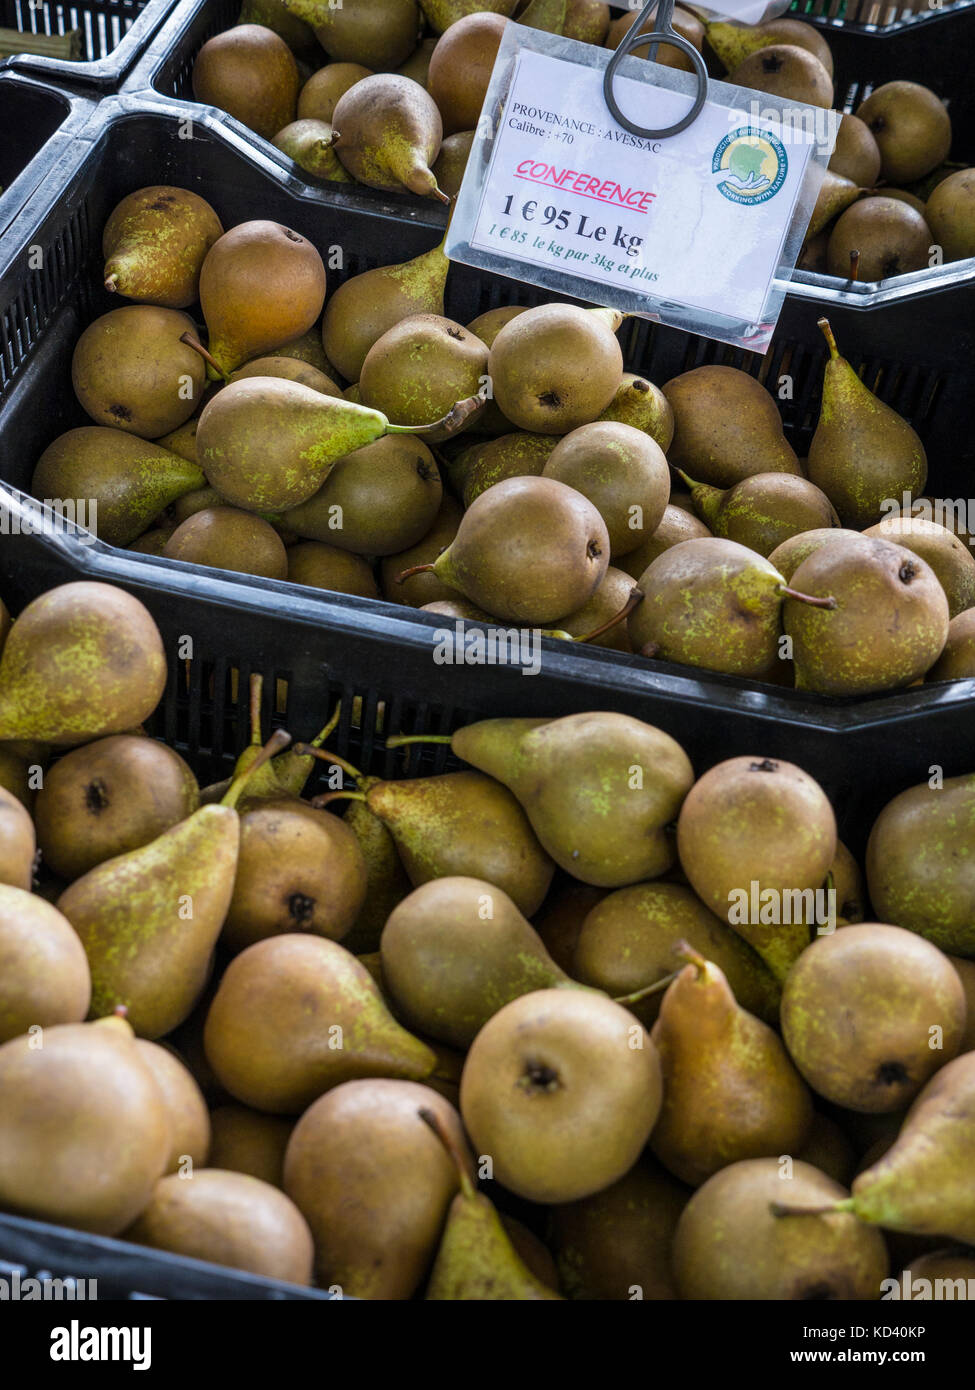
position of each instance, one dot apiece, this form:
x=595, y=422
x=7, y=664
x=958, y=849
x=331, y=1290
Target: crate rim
x=104, y=74
x=57, y=154
x=882, y=31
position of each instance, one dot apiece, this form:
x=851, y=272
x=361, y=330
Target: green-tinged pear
x=547, y=15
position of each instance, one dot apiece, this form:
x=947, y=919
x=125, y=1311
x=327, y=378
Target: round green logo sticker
x=751, y=165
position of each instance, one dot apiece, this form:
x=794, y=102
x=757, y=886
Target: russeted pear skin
x=556, y=367
x=922, y=1184
x=424, y=587
x=149, y=919
x=227, y=538
x=750, y=825
x=856, y=154
x=309, y=144
x=64, y=1106
x=365, y=307
x=228, y=1219
x=454, y=952
x=186, y=1109
x=378, y=33
x=464, y=824
x=374, y=1184
x=81, y=661
x=415, y=372
x=519, y=455
x=950, y=213
x=598, y=788
x=129, y=479
x=948, y=556
x=789, y=555
x=109, y=797
x=18, y=843
x=644, y=406
x=674, y=526
x=461, y=67
x=726, y=427
x=911, y=126
x=764, y=510
x=553, y=1063
x=730, y=1090
x=250, y=72
x=786, y=70
x=609, y=600
x=274, y=15
x=155, y=242
x=878, y=588
x=888, y=235
x=317, y=98
x=729, y=1245
x=733, y=43
x=261, y=285
x=296, y=1015
x=835, y=195
x=858, y=1009
x=624, y=474
x=441, y=14
x=957, y=660
x=44, y=978
x=920, y=868
x=620, y=1239
x=387, y=133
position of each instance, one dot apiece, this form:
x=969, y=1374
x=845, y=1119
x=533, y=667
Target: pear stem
x=824, y=326
x=635, y=599
x=828, y=602
x=449, y=424
x=783, y=1208
x=197, y=346
x=403, y=740
x=325, y=733
x=687, y=952
x=433, y=1121
x=257, y=691
x=414, y=569
x=639, y=994
x=854, y=265
x=278, y=741
x=111, y=284
x=309, y=750
x=320, y=802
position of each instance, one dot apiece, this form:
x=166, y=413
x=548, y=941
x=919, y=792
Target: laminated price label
x=691, y=229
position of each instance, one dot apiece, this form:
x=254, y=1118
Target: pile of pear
x=327, y=1039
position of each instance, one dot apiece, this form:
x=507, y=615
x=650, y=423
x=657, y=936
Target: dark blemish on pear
x=766, y=765
x=292, y=236
x=539, y=1077
x=907, y=572
x=120, y=412
x=550, y=399
x=892, y=1074
x=301, y=908
x=96, y=796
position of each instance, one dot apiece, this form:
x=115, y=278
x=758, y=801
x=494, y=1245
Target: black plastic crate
x=114, y=33
x=40, y=121
x=326, y=644
x=870, y=16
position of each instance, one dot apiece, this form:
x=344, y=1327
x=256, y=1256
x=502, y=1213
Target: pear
x=546, y=15
x=299, y=870
x=261, y=285
x=129, y=479
x=873, y=586
x=888, y=236
x=441, y=14
x=788, y=71
x=858, y=1012
x=948, y=556
x=618, y=1241
x=365, y=307
x=450, y=165
x=556, y=367
x=250, y=72
x=726, y=427
x=920, y=868
x=957, y=660
x=417, y=369
x=317, y=98
x=912, y=129
x=267, y=445
x=309, y=143
x=155, y=242
x=828, y=1149
x=186, y=1109
x=461, y=66
x=227, y=538
x=942, y=1269
x=380, y=33
x=323, y=566
x=922, y=1183
x=374, y=1184
x=856, y=154
x=519, y=455
x=607, y=608
x=149, y=919
x=789, y=555
x=674, y=527
x=736, y=598
x=684, y=22
x=532, y=1251
x=836, y=193
x=599, y=789
x=849, y=885
x=729, y=1245
x=111, y=796
x=245, y=1141
x=764, y=510
x=730, y=1090
x=644, y=406
x=560, y=920
x=733, y=43
x=488, y=325
x=950, y=213
x=552, y=1063
x=307, y=347
x=18, y=844
x=81, y=661
x=476, y=1259
x=464, y=824
x=296, y=1015
x=44, y=978
x=627, y=942
x=273, y=15
x=387, y=133
x=624, y=474
x=454, y=952
x=587, y=21
x=83, y=1129
x=387, y=882
x=759, y=833
x=130, y=370
x=227, y=1219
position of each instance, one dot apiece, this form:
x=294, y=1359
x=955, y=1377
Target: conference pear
x=461, y=66
x=726, y=427
x=788, y=71
x=957, y=660
x=441, y=14
x=644, y=406
x=186, y=1110
x=379, y=33
x=948, y=556
x=245, y=1141
x=911, y=126
x=518, y=455
x=317, y=98
x=556, y=367
x=674, y=526
x=418, y=368
x=44, y=978
x=624, y=474
x=836, y=193
x=131, y=370
x=733, y=43
x=387, y=132
x=226, y=538
x=155, y=242
x=422, y=586
x=309, y=144
x=18, y=843
x=250, y=72
x=950, y=213
x=764, y=510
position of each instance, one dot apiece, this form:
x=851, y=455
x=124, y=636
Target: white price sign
x=693, y=225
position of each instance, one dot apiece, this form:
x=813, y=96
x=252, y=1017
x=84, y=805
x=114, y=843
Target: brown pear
x=425, y=586
x=317, y=98
x=18, y=844
x=785, y=70
x=246, y=1141
x=890, y=238
x=290, y=369
x=451, y=163
x=764, y=510
x=186, y=1110
x=911, y=126
x=639, y=403
x=387, y=133
x=323, y=566
x=674, y=526
x=309, y=144
x=957, y=660
x=130, y=370
x=556, y=367
x=856, y=154
x=836, y=193
x=380, y=33
x=44, y=976
x=226, y=538
x=155, y=242
x=417, y=370
x=250, y=72
x=948, y=556
x=614, y=592
x=624, y=474
x=726, y=427
x=461, y=68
